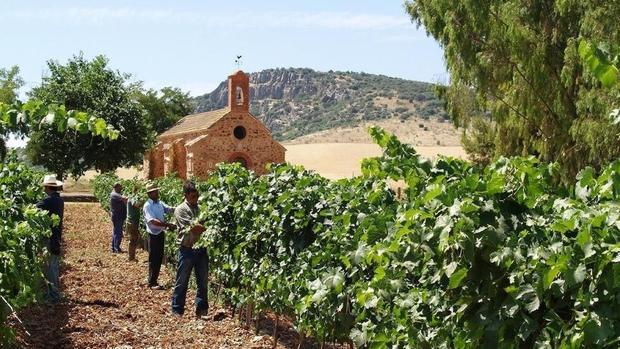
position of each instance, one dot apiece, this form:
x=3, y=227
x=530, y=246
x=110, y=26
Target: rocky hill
x=295, y=102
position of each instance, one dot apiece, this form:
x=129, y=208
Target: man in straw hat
x=155, y=219
x=54, y=205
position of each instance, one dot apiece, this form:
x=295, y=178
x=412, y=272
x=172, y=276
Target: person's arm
x=150, y=218
x=184, y=220
x=118, y=197
x=168, y=209
x=44, y=204
x=197, y=229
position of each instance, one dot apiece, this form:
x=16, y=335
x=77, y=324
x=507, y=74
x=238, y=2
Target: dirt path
x=108, y=305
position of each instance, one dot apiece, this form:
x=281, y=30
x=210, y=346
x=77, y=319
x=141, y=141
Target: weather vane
x=238, y=62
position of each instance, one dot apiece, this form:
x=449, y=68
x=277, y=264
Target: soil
x=108, y=305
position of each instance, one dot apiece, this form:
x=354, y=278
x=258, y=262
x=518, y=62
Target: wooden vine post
x=275, y=331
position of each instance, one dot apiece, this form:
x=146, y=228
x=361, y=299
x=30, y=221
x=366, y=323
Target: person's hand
x=198, y=229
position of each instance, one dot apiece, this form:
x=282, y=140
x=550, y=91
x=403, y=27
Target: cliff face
x=294, y=102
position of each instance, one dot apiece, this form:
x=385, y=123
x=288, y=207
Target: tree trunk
x=3, y=149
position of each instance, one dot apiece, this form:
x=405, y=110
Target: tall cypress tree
x=517, y=64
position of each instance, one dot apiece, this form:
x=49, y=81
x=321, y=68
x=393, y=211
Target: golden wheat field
x=331, y=160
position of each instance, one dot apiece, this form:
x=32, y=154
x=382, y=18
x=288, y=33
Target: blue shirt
x=155, y=210
x=118, y=208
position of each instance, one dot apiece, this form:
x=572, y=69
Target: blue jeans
x=198, y=260
x=117, y=234
x=52, y=276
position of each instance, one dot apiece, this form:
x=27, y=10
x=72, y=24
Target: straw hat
x=50, y=181
x=151, y=187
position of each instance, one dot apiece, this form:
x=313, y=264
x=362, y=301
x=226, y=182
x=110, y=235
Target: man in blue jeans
x=190, y=257
x=118, y=212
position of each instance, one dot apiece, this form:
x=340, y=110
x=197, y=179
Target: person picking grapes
x=155, y=219
x=190, y=257
x=54, y=205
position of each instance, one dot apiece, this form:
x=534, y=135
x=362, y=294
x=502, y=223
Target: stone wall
x=180, y=158
x=154, y=162
x=257, y=148
x=235, y=137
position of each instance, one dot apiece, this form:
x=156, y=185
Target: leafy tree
x=604, y=62
x=93, y=87
x=10, y=82
x=521, y=60
x=165, y=107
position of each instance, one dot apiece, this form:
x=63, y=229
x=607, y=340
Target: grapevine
x=21, y=232
x=500, y=256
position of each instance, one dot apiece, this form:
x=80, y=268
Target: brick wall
x=193, y=154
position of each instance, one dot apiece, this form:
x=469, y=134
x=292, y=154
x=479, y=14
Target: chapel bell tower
x=239, y=91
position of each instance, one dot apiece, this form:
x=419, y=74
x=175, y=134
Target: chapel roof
x=195, y=122
x=195, y=140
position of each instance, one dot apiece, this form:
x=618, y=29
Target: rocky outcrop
x=296, y=101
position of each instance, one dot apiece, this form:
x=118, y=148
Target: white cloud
x=326, y=20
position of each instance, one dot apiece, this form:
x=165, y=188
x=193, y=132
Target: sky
x=193, y=44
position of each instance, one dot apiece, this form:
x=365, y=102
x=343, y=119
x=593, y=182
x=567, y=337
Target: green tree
x=10, y=83
x=521, y=60
x=93, y=87
x=604, y=62
x=165, y=107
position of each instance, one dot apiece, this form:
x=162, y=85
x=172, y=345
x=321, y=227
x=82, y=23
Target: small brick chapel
x=197, y=142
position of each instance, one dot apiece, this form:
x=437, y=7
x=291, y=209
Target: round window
x=239, y=132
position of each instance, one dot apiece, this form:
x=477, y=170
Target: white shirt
x=155, y=210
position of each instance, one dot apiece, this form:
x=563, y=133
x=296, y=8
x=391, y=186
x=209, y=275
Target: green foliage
x=35, y=116
x=473, y=256
x=22, y=228
x=166, y=107
x=10, y=83
x=495, y=256
x=22, y=225
x=522, y=62
x=170, y=193
x=92, y=87
x=601, y=62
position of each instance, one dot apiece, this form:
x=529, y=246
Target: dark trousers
x=156, y=255
x=189, y=259
x=117, y=233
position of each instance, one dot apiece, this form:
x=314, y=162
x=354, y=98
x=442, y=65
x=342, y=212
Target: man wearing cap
x=155, y=219
x=54, y=205
x=118, y=212
x=189, y=257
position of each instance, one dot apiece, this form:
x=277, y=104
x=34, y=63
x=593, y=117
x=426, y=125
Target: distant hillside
x=295, y=102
